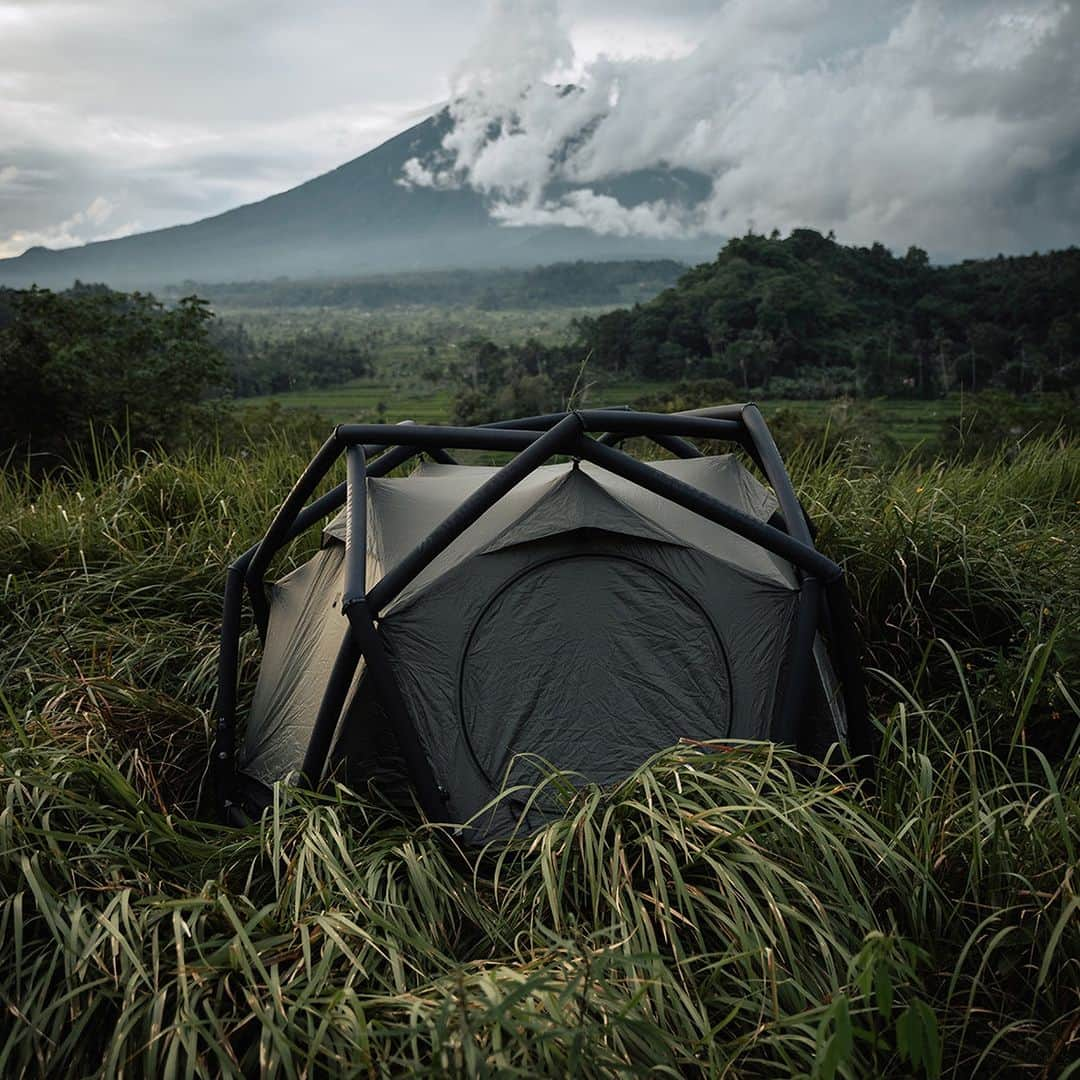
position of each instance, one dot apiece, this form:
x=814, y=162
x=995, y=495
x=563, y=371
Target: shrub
x=993, y=419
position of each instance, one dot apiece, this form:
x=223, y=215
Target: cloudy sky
x=953, y=124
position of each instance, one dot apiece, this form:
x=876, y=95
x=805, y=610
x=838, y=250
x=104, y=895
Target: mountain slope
x=353, y=220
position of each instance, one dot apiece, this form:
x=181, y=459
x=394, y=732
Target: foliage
x=729, y=909
x=993, y=419
x=412, y=352
x=498, y=382
x=845, y=429
x=689, y=394
x=299, y=361
x=250, y=428
x=567, y=284
x=805, y=317
x=90, y=360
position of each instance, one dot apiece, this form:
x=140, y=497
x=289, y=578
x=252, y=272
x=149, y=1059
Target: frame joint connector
x=355, y=605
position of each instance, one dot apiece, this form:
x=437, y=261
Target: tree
x=989, y=350
x=870, y=367
x=753, y=357
x=916, y=258
x=1063, y=347
x=90, y=361
x=805, y=315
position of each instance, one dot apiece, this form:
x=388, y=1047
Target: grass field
x=908, y=422
x=723, y=912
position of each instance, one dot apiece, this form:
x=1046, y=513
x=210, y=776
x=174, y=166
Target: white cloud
x=99, y=211
x=603, y=214
x=949, y=123
x=81, y=227
x=929, y=132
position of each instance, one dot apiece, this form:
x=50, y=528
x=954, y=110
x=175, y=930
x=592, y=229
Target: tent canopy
x=582, y=620
x=580, y=614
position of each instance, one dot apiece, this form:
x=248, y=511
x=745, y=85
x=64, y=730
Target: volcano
x=360, y=219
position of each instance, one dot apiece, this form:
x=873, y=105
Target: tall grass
x=727, y=910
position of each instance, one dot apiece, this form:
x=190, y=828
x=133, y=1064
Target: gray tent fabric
x=428, y=643
x=581, y=620
x=403, y=511
x=305, y=631
x=598, y=677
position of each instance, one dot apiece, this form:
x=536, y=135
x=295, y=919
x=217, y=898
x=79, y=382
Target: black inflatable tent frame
x=823, y=603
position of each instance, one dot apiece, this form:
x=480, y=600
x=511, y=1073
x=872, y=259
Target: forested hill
x=807, y=316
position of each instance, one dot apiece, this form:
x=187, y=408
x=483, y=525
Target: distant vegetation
x=299, y=361
x=74, y=365
x=800, y=318
x=90, y=365
x=570, y=284
x=806, y=317
x=409, y=350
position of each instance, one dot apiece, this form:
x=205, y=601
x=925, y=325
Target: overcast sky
x=953, y=124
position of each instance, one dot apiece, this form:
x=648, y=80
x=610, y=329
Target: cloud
x=179, y=109
x=947, y=125
x=90, y=223
x=604, y=214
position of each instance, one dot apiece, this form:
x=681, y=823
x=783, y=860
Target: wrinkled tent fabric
x=581, y=621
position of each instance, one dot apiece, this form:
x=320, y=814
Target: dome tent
x=463, y=621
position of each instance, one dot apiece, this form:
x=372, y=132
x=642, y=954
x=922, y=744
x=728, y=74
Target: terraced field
x=908, y=422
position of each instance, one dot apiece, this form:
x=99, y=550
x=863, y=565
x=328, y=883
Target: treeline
x=92, y=363
x=574, y=284
x=89, y=361
x=806, y=317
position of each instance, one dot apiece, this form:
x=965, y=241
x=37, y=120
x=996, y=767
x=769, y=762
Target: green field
x=908, y=422
x=361, y=399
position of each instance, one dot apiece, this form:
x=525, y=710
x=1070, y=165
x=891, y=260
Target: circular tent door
x=591, y=663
